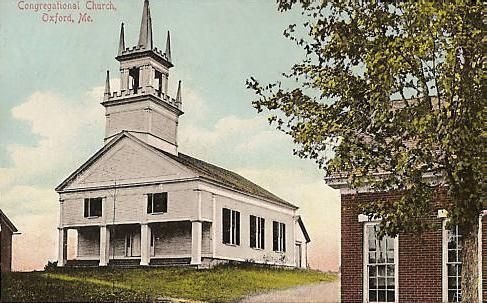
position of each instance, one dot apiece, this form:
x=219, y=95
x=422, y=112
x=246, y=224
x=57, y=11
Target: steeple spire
x=179, y=98
x=168, y=47
x=121, y=44
x=107, y=86
x=145, y=35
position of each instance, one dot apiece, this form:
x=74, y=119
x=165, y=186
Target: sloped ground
x=221, y=284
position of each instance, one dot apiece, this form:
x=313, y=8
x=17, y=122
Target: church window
x=231, y=226
x=278, y=236
x=157, y=203
x=93, y=207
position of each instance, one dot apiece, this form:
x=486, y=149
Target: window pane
x=372, y=283
x=390, y=283
x=381, y=270
x=381, y=283
x=452, y=282
x=262, y=234
x=372, y=258
x=390, y=256
x=160, y=202
x=373, y=295
x=381, y=295
x=95, y=207
x=390, y=296
x=372, y=271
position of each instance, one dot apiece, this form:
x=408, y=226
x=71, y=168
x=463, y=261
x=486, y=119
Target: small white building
x=138, y=201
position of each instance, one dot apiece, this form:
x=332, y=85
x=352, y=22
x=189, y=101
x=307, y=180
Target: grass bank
x=221, y=284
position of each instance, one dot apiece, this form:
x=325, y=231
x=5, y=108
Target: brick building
x=7, y=229
x=410, y=268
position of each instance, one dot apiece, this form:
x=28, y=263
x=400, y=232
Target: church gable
x=127, y=162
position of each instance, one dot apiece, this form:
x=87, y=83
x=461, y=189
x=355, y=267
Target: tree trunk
x=470, y=266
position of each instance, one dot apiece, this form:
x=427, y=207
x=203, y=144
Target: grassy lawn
x=221, y=284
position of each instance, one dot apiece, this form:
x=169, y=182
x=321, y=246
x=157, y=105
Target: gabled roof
x=5, y=220
x=203, y=169
x=303, y=229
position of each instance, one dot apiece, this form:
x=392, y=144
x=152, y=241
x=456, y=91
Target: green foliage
x=221, y=284
x=390, y=95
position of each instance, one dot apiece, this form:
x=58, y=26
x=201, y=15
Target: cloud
x=67, y=135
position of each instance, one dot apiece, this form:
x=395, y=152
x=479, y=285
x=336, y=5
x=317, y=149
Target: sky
x=51, y=121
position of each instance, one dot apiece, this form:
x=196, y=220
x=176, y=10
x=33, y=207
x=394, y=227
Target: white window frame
x=365, y=263
x=444, y=270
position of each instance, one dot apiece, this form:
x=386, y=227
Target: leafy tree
x=390, y=95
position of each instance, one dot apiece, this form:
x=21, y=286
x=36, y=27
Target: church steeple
x=145, y=35
x=143, y=106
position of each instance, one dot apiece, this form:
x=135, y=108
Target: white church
x=140, y=202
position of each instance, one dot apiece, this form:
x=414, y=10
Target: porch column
x=196, y=238
x=145, y=236
x=62, y=247
x=104, y=245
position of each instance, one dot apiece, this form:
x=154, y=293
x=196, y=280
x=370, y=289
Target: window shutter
x=283, y=237
x=275, y=236
x=226, y=225
x=87, y=208
x=252, y=231
x=262, y=233
x=237, y=228
x=149, y=203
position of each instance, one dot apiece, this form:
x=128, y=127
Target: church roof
x=225, y=177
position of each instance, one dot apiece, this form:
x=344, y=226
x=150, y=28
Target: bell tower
x=142, y=106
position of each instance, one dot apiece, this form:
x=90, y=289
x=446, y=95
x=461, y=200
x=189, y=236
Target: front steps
x=170, y=262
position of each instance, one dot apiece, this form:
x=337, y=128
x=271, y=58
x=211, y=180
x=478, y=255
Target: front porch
x=128, y=245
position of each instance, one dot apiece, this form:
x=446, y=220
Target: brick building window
x=454, y=264
x=380, y=266
x=231, y=226
x=257, y=231
x=157, y=203
x=93, y=207
x=278, y=236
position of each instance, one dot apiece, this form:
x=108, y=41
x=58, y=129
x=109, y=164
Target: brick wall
x=351, y=250
x=420, y=267
x=420, y=256
x=484, y=258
